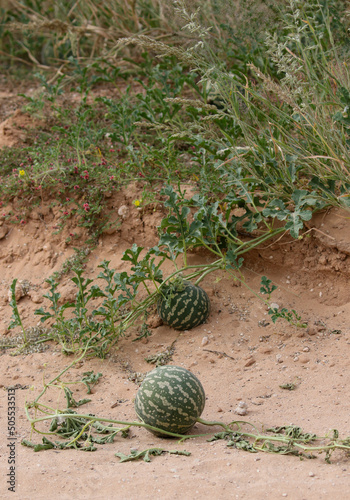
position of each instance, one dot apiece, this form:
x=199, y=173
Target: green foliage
x=266, y=287
x=258, y=123
x=75, y=333
x=83, y=431
x=145, y=455
x=16, y=318
x=292, y=317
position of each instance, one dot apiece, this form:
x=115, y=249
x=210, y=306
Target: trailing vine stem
x=200, y=273
x=293, y=441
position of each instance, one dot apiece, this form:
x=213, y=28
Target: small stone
x=250, y=362
x=312, y=330
x=306, y=349
x=205, y=341
x=35, y=297
x=68, y=294
x=273, y=305
x=18, y=293
x=242, y=408
x=311, y=474
x=304, y=359
x=123, y=211
x=241, y=411
x=265, y=350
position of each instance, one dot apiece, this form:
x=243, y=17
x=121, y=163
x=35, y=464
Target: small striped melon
x=170, y=398
x=184, y=306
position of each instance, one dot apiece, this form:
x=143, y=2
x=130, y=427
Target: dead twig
x=219, y=353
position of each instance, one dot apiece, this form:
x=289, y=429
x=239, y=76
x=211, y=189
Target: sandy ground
x=239, y=355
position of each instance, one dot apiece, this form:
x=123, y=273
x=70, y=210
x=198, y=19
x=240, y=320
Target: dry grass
x=90, y=28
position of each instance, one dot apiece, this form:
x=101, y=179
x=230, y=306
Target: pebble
x=311, y=474
x=123, y=211
x=18, y=293
x=250, y=362
x=304, y=359
x=242, y=408
x=36, y=297
x=265, y=350
x=306, y=349
x=205, y=341
x=312, y=330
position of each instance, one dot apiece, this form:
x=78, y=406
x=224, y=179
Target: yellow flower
x=137, y=203
x=22, y=173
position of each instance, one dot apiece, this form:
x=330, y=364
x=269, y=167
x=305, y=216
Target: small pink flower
x=86, y=207
x=76, y=187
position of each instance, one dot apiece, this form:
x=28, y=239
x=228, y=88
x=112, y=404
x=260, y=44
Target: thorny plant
x=71, y=429
x=189, y=224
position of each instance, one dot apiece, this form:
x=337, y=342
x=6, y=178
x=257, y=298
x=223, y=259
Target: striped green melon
x=183, y=306
x=170, y=398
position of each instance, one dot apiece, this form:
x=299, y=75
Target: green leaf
x=132, y=255
x=146, y=454
x=71, y=403
x=276, y=208
x=90, y=379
